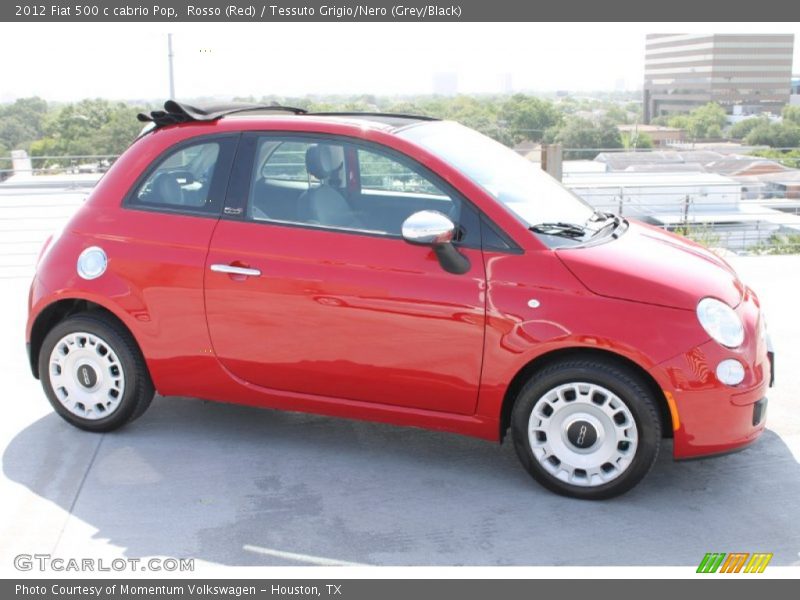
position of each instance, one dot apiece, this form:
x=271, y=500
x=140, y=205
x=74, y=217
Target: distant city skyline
x=129, y=61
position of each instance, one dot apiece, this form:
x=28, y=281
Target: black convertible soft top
x=177, y=112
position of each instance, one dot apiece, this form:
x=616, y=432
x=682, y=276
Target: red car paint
x=373, y=328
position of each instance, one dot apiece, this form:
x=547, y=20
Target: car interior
x=183, y=178
x=339, y=186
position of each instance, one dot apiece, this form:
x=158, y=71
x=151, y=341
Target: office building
x=750, y=71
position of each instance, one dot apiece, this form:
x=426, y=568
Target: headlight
x=720, y=322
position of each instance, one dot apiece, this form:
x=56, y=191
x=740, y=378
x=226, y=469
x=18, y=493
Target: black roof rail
x=175, y=112
x=372, y=114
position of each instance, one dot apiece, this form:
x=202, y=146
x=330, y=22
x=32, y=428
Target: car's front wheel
x=586, y=428
x=93, y=373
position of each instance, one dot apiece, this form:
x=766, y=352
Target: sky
x=128, y=61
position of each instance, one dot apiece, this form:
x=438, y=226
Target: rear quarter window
x=189, y=178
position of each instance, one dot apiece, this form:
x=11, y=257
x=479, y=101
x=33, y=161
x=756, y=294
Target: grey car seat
x=324, y=204
x=166, y=189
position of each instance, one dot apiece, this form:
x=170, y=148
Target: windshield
x=531, y=194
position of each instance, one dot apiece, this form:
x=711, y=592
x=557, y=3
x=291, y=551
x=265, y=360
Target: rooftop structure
x=707, y=161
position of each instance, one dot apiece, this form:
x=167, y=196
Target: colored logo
x=735, y=562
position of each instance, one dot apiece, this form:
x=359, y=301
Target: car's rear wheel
x=93, y=373
x=586, y=428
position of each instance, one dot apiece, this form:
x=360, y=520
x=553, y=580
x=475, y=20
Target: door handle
x=234, y=270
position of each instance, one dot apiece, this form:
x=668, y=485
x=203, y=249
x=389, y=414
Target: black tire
x=138, y=388
x=621, y=381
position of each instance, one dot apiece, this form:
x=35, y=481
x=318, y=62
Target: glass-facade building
x=684, y=71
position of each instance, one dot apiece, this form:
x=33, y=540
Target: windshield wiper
x=569, y=230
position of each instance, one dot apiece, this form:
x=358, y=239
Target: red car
x=397, y=269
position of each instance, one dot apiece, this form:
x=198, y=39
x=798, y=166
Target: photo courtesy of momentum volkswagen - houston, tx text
x=482, y=298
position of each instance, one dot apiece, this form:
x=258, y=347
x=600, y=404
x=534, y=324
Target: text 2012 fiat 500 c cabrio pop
x=397, y=269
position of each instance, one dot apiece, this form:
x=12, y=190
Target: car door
x=310, y=288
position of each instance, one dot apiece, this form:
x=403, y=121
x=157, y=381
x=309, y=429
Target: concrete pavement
x=241, y=486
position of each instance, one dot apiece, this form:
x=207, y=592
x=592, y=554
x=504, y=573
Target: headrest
x=321, y=161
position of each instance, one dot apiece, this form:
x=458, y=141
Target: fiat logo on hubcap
x=582, y=434
x=87, y=376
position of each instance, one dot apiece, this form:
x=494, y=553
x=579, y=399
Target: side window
x=285, y=161
x=380, y=173
x=391, y=189
x=298, y=181
x=182, y=180
x=335, y=184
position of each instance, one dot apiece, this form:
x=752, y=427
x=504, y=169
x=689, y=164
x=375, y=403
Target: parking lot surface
x=241, y=486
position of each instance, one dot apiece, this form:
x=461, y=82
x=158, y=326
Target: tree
x=791, y=113
x=635, y=108
x=788, y=158
x=640, y=140
x=527, y=117
x=776, y=135
x=46, y=146
x=15, y=133
x=703, y=122
x=579, y=133
x=21, y=122
x=676, y=121
x=707, y=121
x=608, y=135
x=88, y=127
x=117, y=133
x=618, y=115
x=97, y=126
x=5, y=162
x=740, y=130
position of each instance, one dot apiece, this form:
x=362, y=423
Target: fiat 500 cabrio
x=397, y=269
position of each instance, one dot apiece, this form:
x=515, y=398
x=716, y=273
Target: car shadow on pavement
x=240, y=486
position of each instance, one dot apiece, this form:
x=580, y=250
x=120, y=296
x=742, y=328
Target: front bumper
x=710, y=417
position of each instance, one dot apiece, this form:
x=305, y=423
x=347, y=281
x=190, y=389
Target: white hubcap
x=86, y=375
x=583, y=434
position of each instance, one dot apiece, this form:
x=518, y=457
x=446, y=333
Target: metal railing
x=750, y=151
x=718, y=219
x=61, y=165
x=743, y=216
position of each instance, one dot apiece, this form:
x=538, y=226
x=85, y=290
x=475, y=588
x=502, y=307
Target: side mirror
x=428, y=228
x=435, y=229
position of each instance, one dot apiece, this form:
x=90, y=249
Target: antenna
x=171, y=69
